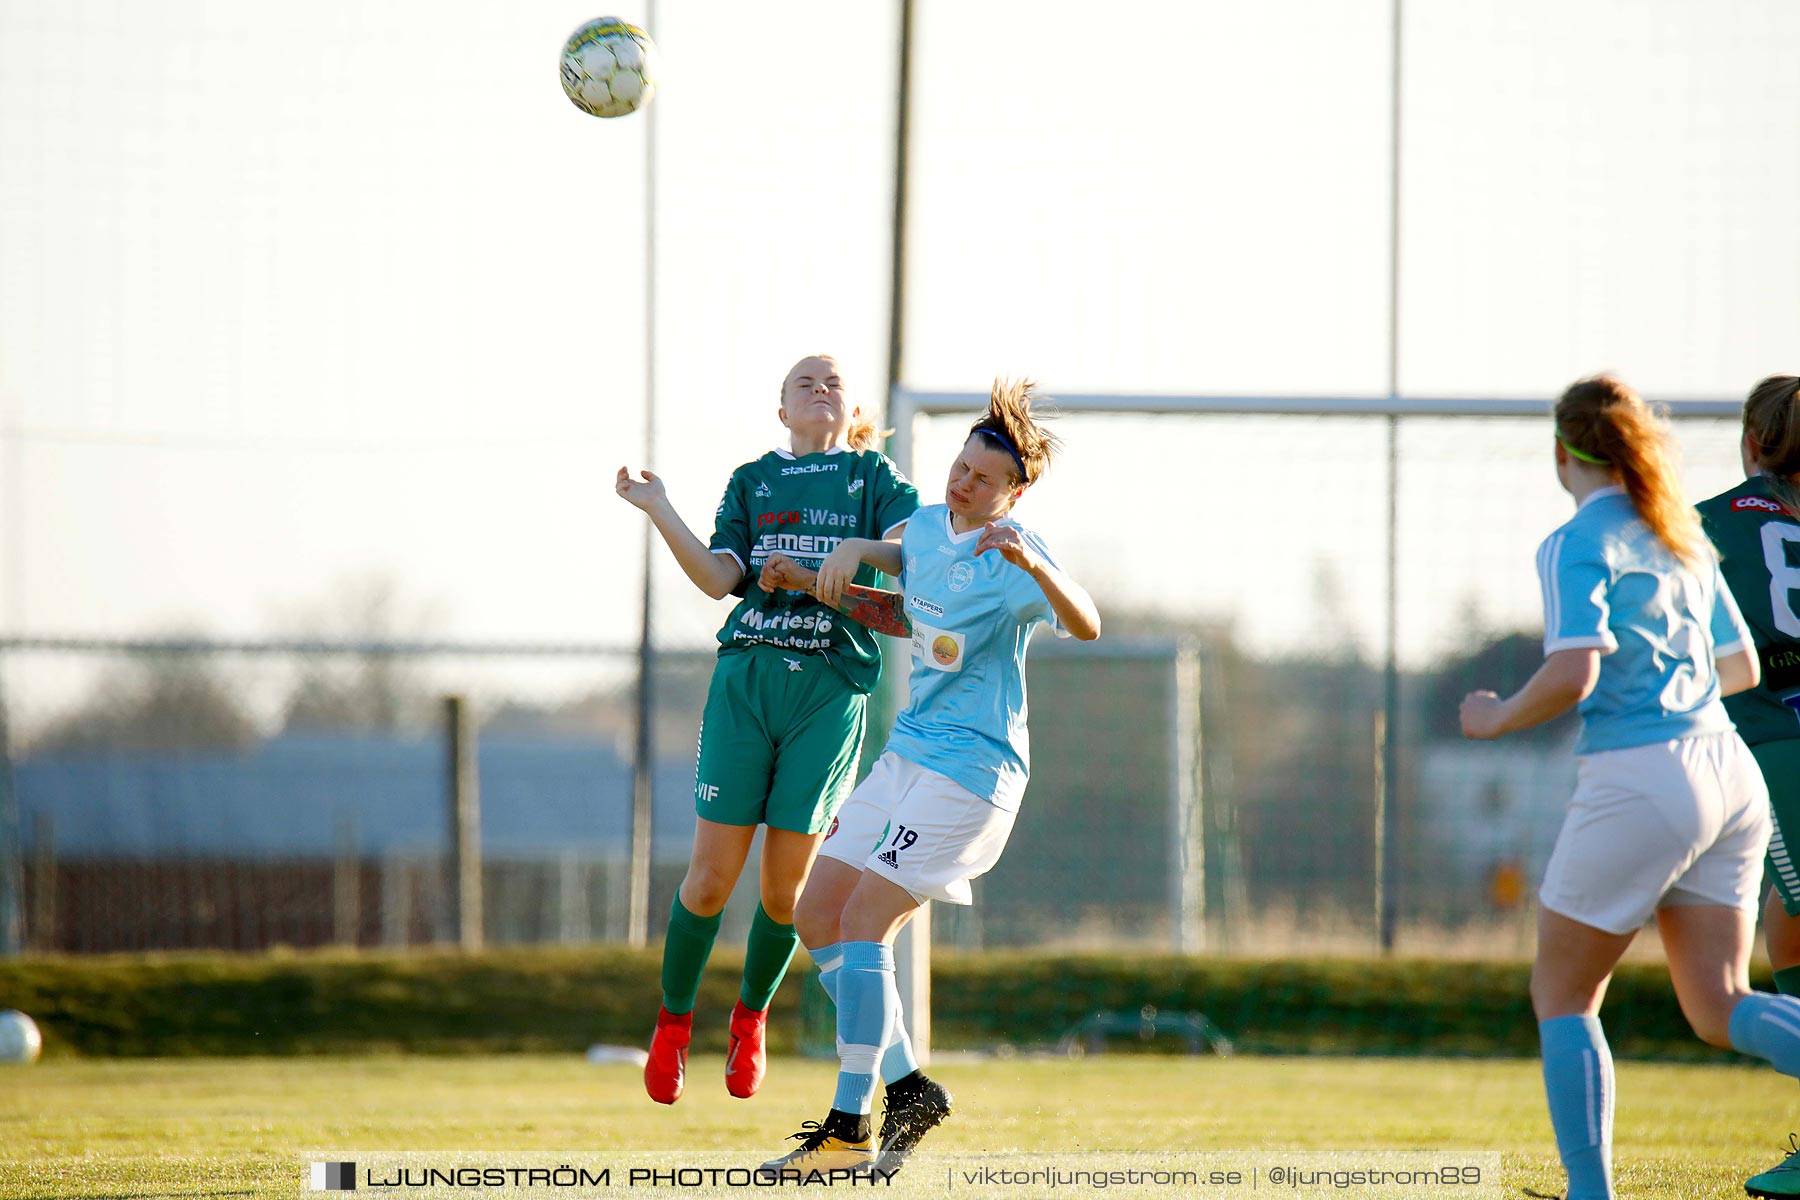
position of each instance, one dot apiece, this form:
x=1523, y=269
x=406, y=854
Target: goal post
x=909, y=406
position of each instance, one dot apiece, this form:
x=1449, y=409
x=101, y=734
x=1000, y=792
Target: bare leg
x=1568, y=982
x=1782, y=933
x=714, y=865
x=828, y=889
x=787, y=862
x=1574, y=964
x=1709, y=961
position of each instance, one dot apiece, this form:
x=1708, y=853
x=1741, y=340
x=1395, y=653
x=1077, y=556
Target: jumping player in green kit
x=1756, y=529
x=783, y=724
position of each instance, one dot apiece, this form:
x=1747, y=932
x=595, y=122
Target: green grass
x=443, y=1002
x=209, y=1127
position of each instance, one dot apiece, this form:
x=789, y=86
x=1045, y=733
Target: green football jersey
x=803, y=507
x=1759, y=554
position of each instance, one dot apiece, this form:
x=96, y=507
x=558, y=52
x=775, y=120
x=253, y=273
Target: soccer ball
x=609, y=68
x=20, y=1041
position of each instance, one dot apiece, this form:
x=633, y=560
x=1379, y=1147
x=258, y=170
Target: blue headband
x=1011, y=450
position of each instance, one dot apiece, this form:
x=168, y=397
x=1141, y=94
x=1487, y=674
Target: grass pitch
x=238, y=1127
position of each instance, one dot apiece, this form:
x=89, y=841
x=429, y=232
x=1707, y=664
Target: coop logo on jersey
x=939, y=649
x=962, y=574
x=334, y=1177
x=1743, y=503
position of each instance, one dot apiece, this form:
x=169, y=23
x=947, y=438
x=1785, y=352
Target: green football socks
x=686, y=948
x=766, y=959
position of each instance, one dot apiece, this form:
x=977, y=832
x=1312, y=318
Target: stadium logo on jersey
x=810, y=469
x=1756, y=502
x=962, y=575
x=762, y=490
x=855, y=486
x=939, y=649
x=890, y=858
x=925, y=606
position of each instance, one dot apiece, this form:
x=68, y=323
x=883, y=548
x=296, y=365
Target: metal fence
x=192, y=794
x=1226, y=769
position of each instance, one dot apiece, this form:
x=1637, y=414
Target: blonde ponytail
x=1602, y=420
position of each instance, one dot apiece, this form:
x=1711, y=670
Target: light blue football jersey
x=1612, y=584
x=972, y=617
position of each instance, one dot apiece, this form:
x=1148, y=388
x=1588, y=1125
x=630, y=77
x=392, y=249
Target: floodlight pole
x=12, y=849
x=912, y=947
x=643, y=759
x=1387, y=807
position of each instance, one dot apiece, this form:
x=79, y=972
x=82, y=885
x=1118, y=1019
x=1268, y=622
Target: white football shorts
x=1671, y=823
x=919, y=829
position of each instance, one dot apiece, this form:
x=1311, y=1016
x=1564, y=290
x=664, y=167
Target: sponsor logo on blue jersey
x=925, y=606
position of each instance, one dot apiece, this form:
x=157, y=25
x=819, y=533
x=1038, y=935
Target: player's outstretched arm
x=712, y=572
x=1739, y=671
x=1074, y=607
x=838, y=571
x=882, y=611
x=1564, y=681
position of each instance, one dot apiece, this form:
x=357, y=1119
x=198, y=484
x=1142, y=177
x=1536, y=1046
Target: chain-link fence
x=1207, y=775
x=195, y=794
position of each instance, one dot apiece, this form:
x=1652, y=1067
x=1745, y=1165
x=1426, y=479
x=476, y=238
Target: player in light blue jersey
x=937, y=808
x=1670, y=816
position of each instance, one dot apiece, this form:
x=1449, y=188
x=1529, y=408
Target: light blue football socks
x=1768, y=1027
x=1578, y=1078
x=868, y=1007
x=897, y=1061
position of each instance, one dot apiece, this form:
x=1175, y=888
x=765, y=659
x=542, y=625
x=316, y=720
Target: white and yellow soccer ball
x=609, y=68
x=20, y=1041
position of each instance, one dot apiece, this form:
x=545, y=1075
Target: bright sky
x=293, y=295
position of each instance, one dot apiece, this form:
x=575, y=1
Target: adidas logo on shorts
x=891, y=858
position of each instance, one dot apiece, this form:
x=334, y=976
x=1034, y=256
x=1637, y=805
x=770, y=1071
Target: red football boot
x=666, y=1070
x=748, y=1059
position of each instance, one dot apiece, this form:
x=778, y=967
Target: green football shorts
x=1780, y=763
x=779, y=741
